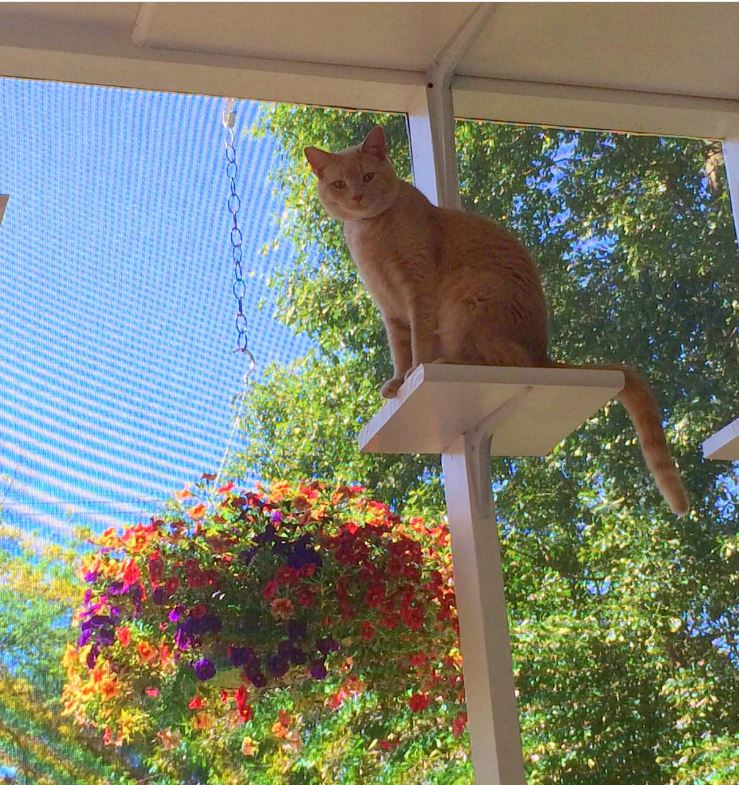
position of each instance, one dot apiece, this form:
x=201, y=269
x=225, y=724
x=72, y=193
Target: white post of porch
x=478, y=574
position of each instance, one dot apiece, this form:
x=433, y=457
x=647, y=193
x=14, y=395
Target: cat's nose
x=358, y=198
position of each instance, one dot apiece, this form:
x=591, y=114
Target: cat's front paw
x=391, y=387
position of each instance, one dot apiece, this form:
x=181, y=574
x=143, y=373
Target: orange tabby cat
x=455, y=287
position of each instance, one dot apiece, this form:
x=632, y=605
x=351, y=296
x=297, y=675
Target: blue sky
x=117, y=368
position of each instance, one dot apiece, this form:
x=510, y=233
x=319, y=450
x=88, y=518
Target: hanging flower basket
x=230, y=596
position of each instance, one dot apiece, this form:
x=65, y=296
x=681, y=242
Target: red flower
x=305, y=596
x=131, y=573
x=286, y=575
x=459, y=724
x=199, y=611
x=375, y=595
x=124, y=636
x=156, y=568
x=417, y=660
x=196, y=703
x=367, y=631
x=412, y=617
x=269, y=590
x=419, y=701
x=172, y=584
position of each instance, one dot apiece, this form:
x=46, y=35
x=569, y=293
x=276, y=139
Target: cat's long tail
x=641, y=405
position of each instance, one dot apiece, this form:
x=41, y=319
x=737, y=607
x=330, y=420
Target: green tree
x=624, y=619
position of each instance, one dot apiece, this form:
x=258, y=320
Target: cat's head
x=358, y=182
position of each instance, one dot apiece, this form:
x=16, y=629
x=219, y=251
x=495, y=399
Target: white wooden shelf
x=467, y=412
x=724, y=444
x=439, y=402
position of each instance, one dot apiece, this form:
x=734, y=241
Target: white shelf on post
x=465, y=413
x=724, y=444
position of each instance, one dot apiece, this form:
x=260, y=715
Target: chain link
x=238, y=287
x=237, y=238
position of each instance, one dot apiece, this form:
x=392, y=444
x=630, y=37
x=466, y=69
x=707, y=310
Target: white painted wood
x=438, y=402
x=478, y=581
x=607, y=109
x=3, y=204
x=724, y=444
x=431, y=120
x=212, y=50
x=731, y=163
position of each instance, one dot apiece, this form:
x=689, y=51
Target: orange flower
x=279, y=730
x=282, y=608
x=248, y=747
x=198, y=511
x=202, y=721
x=109, y=689
x=146, y=651
x=185, y=493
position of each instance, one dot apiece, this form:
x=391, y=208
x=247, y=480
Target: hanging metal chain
x=239, y=286
x=237, y=249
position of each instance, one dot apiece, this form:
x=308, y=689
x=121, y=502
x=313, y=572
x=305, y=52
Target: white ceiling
x=653, y=67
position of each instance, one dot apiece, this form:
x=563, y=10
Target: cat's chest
x=383, y=264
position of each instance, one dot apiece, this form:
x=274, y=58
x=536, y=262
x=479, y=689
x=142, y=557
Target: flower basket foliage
x=318, y=594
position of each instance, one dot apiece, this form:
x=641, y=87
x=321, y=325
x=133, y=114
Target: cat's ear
x=318, y=159
x=374, y=143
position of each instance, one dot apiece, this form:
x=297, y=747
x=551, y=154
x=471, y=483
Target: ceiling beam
x=61, y=51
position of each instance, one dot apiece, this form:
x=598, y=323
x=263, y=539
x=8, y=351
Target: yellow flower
x=248, y=746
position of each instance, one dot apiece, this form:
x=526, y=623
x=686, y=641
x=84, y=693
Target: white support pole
x=731, y=162
x=483, y=626
x=431, y=121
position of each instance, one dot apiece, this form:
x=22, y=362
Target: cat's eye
x=369, y=176
x=339, y=184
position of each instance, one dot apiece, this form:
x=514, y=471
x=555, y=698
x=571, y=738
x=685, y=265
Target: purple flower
x=277, y=516
x=257, y=678
x=105, y=636
x=84, y=637
x=247, y=555
x=92, y=657
x=204, y=669
x=117, y=587
x=327, y=645
x=318, y=670
x=241, y=655
x=157, y=595
x=182, y=639
x=277, y=665
x=176, y=613
x=296, y=630
x=268, y=535
x=88, y=596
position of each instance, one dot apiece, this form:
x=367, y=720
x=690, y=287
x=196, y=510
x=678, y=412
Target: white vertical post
x=731, y=162
x=431, y=120
x=483, y=626
x=478, y=573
